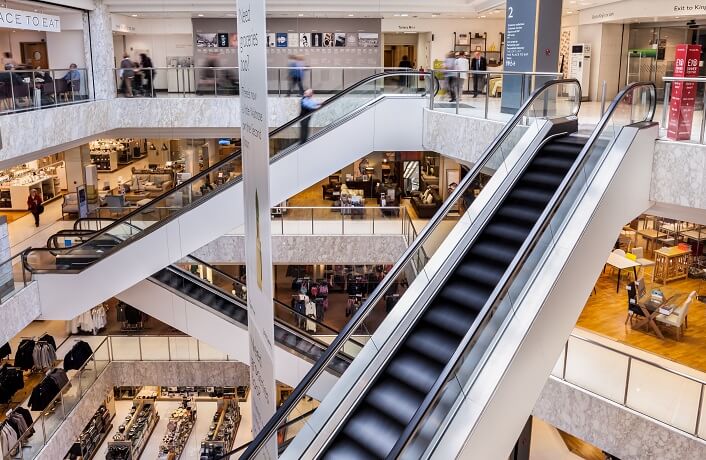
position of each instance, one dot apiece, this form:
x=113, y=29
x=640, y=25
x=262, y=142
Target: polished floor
x=606, y=312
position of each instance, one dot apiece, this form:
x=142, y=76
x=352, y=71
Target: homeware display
x=134, y=431
x=221, y=433
x=179, y=428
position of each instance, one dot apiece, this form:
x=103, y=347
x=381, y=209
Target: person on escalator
x=308, y=106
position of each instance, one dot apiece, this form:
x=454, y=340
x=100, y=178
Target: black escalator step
x=450, y=317
x=542, y=179
x=494, y=251
x=432, y=342
x=530, y=195
x=395, y=398
x=518, y=213
x=374, y=429
x=572, y=140
x=553, y=163
x=561, y=149
x=470, y=295
x=418, y=371
x=507, y=231
x=480, y=271
x=344, y=448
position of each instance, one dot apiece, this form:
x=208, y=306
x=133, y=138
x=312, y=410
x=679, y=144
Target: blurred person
x=126, y=75
x=7, y=59
x=137, y=80
x=308, y=106
x=449, y=66
x=478, y=63
x=462, y=65
x=73, y=78
x=296, y=74
x=8, y=77
x=405, y=64
x=148, y=73
x=34, y=205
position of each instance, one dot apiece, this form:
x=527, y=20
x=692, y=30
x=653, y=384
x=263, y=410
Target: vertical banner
x=252, y=59
x=681, y=106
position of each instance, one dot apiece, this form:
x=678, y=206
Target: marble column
x=213, y=157
x=75, y=174
x=100, y=55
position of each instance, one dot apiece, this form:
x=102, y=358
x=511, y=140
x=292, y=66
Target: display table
x=138, y=428
x=106, y=161
x=671, y=264
x=13, y=195
x=367, y=186
x=221, y=435
x=181, y=424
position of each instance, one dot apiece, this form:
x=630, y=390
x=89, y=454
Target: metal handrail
x=353, y=324
x=517, y=264
x=205, y=173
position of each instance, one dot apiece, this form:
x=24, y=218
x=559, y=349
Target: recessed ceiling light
x=351, y=15
x=200, y=15
x=301, y=15
x=483, y=17
x=133, y=15
x=569, y=12
x=676, y=17
x=404, y=15
x=435, y=15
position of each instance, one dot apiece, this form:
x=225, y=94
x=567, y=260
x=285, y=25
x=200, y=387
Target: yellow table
x=671, y=264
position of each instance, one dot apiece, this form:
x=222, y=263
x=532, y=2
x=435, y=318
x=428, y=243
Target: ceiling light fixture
x=404, y=15
x=133, y=15
x=483, y=17
x=200, y=15
x=301, y=15
x=569, y=12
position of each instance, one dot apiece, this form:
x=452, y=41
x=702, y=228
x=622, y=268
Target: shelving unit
x=92, y=437
x=144, y=418
x=479, y=42
x=181, y=424
x=226, y=423
x=105, y=161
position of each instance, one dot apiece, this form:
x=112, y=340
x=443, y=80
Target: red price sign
x=681, y=107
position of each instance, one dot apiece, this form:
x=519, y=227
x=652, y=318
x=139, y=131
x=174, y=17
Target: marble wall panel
x=459, y=137
x=308, y=249
x=679, y=174
x=18, y=311
x=626, y=434
x=101, y=38
x=180, y=373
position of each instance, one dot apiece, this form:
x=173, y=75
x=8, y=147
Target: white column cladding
x=258, y=236
x=100, y=59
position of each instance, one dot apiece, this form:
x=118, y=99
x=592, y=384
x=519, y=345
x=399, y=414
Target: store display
x=44, y=393
x=134, y=432
x=222, y=431
x=109, y=154
x=11, y=381
x=16, y=183
x=38, y=354
x=91, y=321
x=179, y=428
x=91, y=438
x=77, y=356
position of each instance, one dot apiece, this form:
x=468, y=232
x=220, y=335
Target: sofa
x=154, y=183
x=427, y=203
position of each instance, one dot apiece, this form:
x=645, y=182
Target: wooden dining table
x=651, y=309
x=622, y=263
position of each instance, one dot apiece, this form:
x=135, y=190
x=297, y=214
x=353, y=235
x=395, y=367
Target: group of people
x=136, y=77
x=457, y=66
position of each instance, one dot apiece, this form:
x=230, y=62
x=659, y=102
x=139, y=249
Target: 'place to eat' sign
x=27, y=20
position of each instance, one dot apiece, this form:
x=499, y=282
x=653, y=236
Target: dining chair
x=678, y=317
x=640, y=254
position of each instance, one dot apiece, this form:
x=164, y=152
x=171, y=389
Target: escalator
x=405, y=395
x=171, y=225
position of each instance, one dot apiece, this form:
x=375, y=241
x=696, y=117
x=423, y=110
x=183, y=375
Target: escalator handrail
x=353, y=324
x=229, y=159
x=517, y=264
x=231, y=296
x=247, y=444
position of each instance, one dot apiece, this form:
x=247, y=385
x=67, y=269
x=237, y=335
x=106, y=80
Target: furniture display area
x=654, y=308
x=332, y=190
x=155, y=182
x=427, y=203
x=617, y=260
x=109, y=154
x=14, y=192
x=364, y=183
x=671, y=264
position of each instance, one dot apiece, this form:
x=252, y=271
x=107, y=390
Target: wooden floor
x=605, y=313
x=581, y=448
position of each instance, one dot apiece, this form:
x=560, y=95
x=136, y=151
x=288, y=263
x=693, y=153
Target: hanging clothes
x=43, y=394
x=43, y=355
x=8, y=439
x=5, y=351
x=23, y=356
x=11, y=381
x=77, y=356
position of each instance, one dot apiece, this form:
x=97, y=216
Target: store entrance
x=35, y=54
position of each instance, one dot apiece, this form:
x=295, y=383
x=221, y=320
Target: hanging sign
x=681, y=106
x=28, y=20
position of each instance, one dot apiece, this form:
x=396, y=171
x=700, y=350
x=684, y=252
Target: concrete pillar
x=75, y=174
x=191, y=161
x=213, y=157
x=100, y=54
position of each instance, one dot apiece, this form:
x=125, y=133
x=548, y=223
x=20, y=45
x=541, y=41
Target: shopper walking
x=405, y=64
x=463, y=66
x=148, y=72
x=308, y=106
x=34, y=205
x=296, y=75
x=126, y=75
x=450, y=66
x=478, y=63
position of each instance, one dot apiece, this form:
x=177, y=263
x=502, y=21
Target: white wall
x=66, y=48
x=10, y=40
x=606, y=42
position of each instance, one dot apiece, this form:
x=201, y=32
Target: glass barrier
x=136, y=221
x=334, y=220
x=687, y=123
x=13, y=277
x=22, y=90
x=640, y=384
x=371, y=314
x=480, y=342
x=478, y=93
x=224, y=81
x=48, y=420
